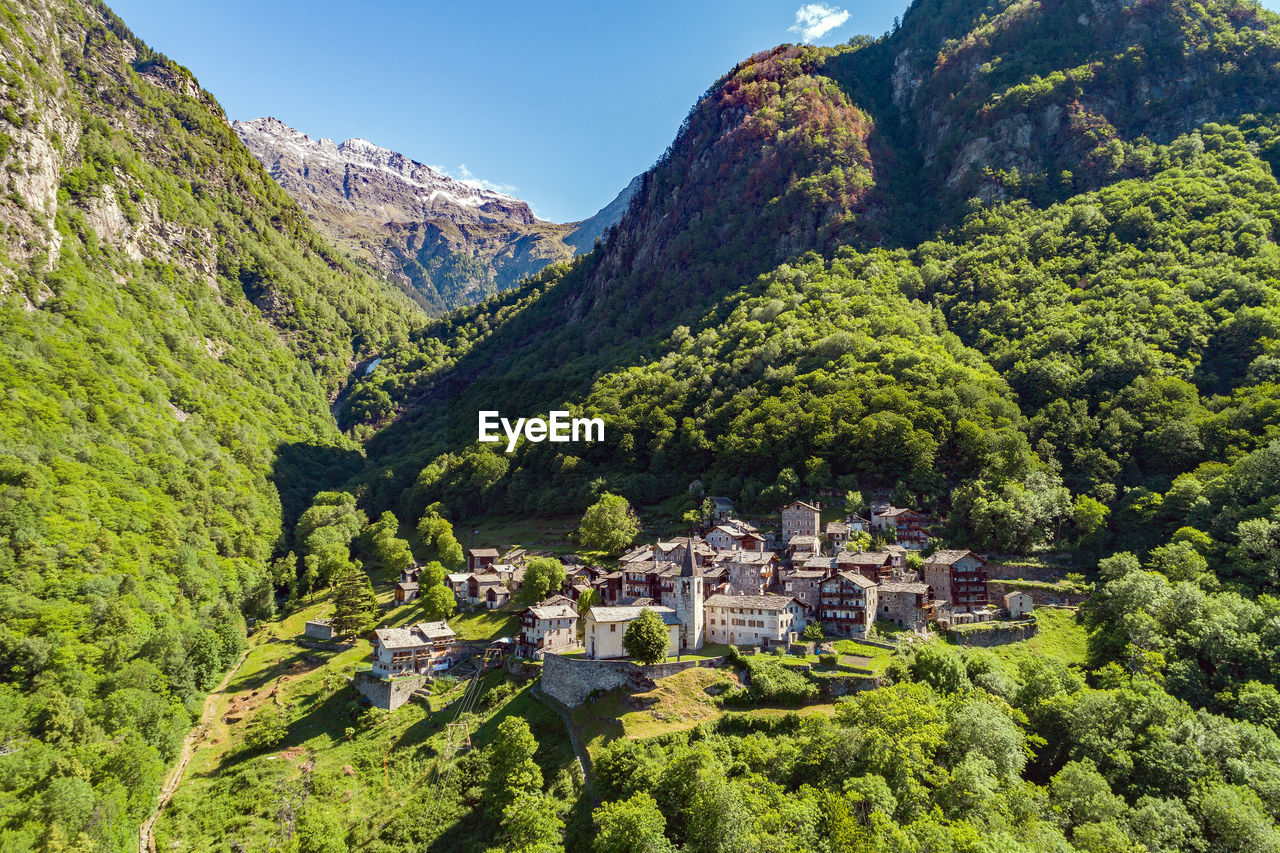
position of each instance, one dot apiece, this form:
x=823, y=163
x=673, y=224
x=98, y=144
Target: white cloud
x=463, y=174
x=815, y=20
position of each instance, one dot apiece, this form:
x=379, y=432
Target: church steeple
x=687, y=568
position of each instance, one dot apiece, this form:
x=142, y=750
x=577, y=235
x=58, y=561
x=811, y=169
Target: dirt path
x=146, y=835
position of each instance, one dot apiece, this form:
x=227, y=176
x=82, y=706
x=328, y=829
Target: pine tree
x=354, y=604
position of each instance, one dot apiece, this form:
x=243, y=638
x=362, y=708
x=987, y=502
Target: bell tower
x=689, y=601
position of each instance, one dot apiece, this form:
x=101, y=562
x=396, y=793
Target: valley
x=937, y=506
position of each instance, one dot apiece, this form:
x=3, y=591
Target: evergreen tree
x=355, y=607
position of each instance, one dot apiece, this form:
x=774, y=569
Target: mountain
x=1081, y=129
x=174, y=332
x=446, y=242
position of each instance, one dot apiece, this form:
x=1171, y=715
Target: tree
x=530, y=823
x=267, y=728
x=859, y=540
x=854, y=503
x=646, y=638
x=635, y=825
x=608, y=525
x=512, y=770
x=542, y=576
x=355, y=607
x=813, y=633
x=437, y=603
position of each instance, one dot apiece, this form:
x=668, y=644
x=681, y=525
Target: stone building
x=801, y=519
x=847, y=604
x=959, y=578
x=907, y=605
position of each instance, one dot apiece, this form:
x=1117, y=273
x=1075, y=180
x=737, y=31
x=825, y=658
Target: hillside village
x=728, y=584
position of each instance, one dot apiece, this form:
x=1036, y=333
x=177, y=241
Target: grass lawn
x=486, y=624
x=864, y=656
x=1060, y=637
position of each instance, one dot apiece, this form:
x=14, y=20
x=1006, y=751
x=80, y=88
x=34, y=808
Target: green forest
x=1012, y=264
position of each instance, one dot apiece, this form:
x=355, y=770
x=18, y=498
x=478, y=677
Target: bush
x=829, y=660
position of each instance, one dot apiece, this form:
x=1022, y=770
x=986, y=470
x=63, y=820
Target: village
x=727, y=584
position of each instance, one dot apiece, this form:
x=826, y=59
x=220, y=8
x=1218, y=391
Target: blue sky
x=559, y=103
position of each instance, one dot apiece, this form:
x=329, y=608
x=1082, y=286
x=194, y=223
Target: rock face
x=446, y=242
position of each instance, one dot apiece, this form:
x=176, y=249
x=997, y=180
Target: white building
x=1018, y=604
x=748, y=620
x=604, y=628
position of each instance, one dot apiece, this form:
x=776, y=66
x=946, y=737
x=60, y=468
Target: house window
x=613, y=628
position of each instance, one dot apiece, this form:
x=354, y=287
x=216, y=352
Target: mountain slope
x=173, y=333
x=446, y=242
x=906, y=150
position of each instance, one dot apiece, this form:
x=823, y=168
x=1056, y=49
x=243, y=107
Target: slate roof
x=950, y=558
x=553, y=611
x=852, y=577
x=911, y=588
x=483, y=552
x=421, y=634
x=626, y=614
x=761, y=602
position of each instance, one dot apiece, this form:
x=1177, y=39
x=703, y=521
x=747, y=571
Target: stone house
x=318, y=629
x=801, y=519
x=837, y=534
x=735, y=535
x=751, y=572
x=479, y=559
x=723, y=507
x=549, y=626
x=907, y=605
x=1018, y=603
x=858, y=523
x=805, y=586
x=748, y=620
x=802, y=546
x=959, y=578
x=424, y=648
x=604, y=628
x=406, y=591
x=489, y=590
x=847, y=604
x=908, y=526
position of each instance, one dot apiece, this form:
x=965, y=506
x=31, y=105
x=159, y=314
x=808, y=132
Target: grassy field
x=1060, y=637
x=864, y=656
x=335, y=748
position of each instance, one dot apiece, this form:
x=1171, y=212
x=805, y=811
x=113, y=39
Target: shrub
x=831, y=660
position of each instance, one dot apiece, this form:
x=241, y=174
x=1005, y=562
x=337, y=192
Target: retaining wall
x=571, y=681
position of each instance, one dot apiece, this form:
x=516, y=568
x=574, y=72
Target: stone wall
x=571, y=681
x=386, y=694
x=1061, y=598
x=995, y=633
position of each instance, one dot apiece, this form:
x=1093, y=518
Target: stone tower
x=689, y=602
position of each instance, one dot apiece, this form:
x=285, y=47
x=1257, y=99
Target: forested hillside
x=173, y=333
x=1129, y=325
